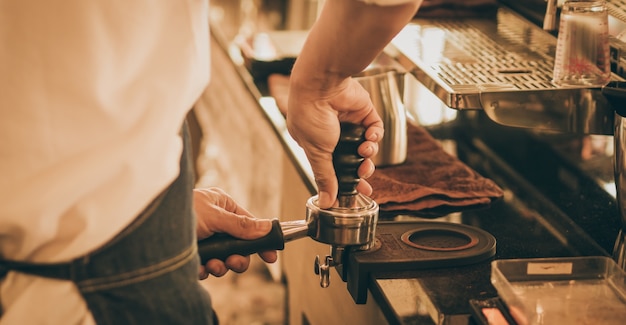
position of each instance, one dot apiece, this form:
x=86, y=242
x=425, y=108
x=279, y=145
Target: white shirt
x=92, y=97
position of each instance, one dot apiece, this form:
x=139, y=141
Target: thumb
x=245, y=227
x=326, y=181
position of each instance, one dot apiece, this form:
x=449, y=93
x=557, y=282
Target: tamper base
x=343, y=226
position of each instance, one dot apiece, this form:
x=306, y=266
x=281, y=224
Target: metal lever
x=323, y=270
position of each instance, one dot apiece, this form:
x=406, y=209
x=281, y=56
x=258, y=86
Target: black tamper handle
x=221, y=246
x=346, y=161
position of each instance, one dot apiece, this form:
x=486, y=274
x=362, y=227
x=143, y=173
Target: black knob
x=347, y=160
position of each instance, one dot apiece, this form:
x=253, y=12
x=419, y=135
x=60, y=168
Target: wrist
x=312, y=76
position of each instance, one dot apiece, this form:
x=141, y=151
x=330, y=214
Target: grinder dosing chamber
x=349, y=225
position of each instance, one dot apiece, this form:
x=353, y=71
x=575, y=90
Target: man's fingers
x=366, y=169
x=243, y=227
x=216, y=267
x=325, y=179
x=364, y=187
x=269, y=256
x=238, y=263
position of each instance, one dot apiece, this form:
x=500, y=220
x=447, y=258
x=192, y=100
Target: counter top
x=541, y=215
x=557, y=202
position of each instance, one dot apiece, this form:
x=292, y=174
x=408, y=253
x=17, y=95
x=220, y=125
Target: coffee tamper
x=349, y=225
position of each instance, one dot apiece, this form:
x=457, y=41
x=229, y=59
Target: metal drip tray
x=502, y=65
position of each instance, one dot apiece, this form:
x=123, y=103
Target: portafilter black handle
x=346, y=161
x=221, y=246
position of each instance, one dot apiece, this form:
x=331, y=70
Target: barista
x=97, y=222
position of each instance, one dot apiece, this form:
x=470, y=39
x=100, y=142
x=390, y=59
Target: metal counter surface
x=552, y=207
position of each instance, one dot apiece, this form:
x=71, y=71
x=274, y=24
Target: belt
x=61, y=271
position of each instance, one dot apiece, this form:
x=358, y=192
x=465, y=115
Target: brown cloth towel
x=430, y=181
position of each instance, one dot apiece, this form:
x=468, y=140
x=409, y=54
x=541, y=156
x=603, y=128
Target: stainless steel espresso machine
x=505, y=68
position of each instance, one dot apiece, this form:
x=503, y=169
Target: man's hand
x=343, y=41
x=217, y=212
x=313, y=120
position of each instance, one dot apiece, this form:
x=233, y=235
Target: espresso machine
x=506, y=70
x=614, y=94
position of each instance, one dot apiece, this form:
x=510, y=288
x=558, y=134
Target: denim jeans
x=147, y=274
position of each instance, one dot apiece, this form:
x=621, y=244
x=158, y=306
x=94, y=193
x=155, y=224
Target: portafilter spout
x=350, y=224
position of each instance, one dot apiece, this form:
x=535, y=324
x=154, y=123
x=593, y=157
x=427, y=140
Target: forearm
x=348, y=35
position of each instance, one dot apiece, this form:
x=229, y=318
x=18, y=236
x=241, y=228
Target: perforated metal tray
x=617, y=9
x=502, y=65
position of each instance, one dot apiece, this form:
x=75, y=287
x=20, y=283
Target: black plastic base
x=402, y=246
